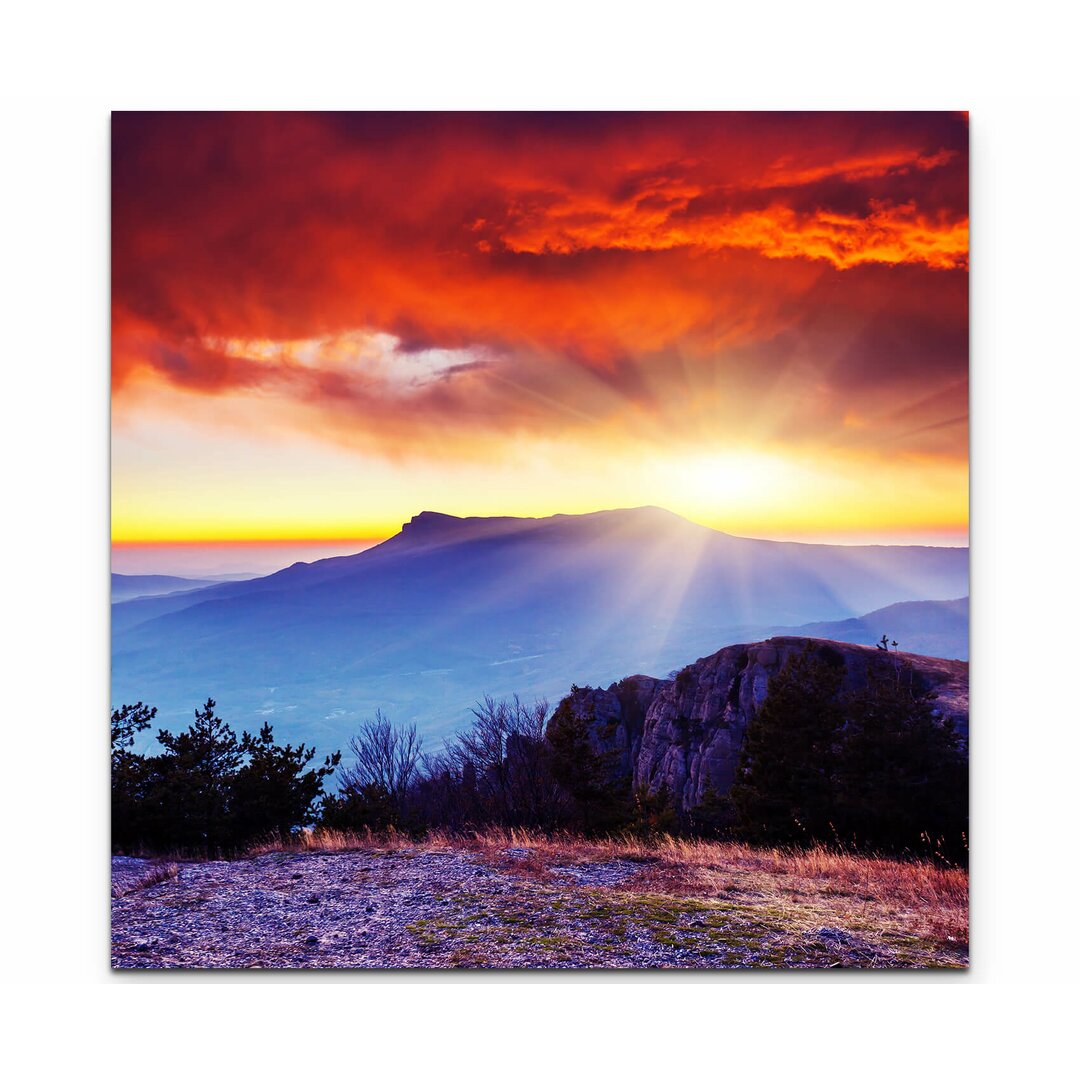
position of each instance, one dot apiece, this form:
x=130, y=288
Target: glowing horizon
x=756, y=321
x=929, y=535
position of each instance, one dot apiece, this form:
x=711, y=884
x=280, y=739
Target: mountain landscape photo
x=561, y=565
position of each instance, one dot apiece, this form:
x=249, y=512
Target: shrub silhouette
x=208, y=792
x=375, y=786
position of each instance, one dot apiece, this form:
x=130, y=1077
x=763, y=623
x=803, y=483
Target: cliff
x=687, y=731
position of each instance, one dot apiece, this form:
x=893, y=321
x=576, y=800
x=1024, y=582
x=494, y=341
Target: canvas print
x=539, y=540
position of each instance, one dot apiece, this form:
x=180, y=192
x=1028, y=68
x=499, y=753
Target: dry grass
x=154, y=876
x=805, y=887
x=907, y=896
x=340, y=840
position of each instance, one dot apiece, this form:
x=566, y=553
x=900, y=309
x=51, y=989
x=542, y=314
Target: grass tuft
x=155, y=875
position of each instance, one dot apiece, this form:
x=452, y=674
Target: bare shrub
x=385, y=756
x=500, y=764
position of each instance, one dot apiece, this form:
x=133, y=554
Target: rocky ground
x=424, y=908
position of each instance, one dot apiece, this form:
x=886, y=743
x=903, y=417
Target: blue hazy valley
x=450, y=609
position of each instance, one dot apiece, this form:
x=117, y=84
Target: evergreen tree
x=129, y=773
x=208, y=791
x=597, y=803
x=783, y=791
x=271, y=794
x=192, y=790
x=901, y=774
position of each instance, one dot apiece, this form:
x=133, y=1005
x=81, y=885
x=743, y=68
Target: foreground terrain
x=527, y=902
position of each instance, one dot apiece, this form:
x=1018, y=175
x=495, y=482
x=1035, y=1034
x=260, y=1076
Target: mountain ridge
x=449, y=609
x=433, y=528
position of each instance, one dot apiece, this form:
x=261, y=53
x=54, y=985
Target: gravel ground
x=440, y=909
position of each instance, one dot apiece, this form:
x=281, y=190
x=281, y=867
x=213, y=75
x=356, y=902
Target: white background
x=65, y=67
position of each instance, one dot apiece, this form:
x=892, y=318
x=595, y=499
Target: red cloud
x=585, y=265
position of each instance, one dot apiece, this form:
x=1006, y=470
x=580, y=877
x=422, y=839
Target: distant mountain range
x=129, y=586
x=927, y=627
x=451, y=608
x=137, y=586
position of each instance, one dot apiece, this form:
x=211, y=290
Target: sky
x=325, y=324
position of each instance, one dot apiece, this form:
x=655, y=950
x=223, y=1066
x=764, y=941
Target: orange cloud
x=682, y=209
x=435, y=282
x=885, y=234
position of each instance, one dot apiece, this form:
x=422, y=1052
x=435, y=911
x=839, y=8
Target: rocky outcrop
x=686, y=732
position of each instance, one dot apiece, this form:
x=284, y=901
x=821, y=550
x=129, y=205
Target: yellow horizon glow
x=950, y=533
x=928, y=534
x=221, y=490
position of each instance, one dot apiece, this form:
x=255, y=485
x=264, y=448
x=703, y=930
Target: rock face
x=687, y=732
